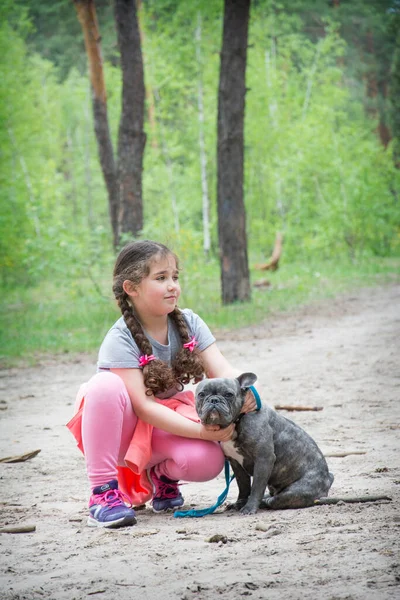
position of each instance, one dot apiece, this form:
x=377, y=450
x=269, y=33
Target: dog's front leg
x=263, y=466
x=244, y=484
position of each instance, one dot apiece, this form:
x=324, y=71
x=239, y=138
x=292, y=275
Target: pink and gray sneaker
x=108, y=507
x=166, y=494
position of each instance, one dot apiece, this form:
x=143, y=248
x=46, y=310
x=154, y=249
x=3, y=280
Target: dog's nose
x=214, y=399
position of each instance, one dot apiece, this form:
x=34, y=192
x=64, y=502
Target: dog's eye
x=229, y=395
x=200, y=395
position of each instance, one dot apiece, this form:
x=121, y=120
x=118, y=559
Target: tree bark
x=86, y=12
x=131, y=139
x=230, y=163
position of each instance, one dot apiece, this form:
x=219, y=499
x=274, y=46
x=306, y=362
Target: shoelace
x=112, y=498
x=166, y=490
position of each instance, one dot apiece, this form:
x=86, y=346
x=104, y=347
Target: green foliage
x=394, y=89
x=50, y=181
x=55, y=33
x=73, y=318
x=314, y=166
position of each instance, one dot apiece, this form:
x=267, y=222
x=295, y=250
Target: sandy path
x=343, y=355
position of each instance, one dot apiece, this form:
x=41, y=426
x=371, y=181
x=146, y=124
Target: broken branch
x=343, y=454
x=20, y=529
x=273, y=263
x=20, y=457
x=291, y=407
x=351, y=500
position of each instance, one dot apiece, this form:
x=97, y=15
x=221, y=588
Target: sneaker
x=109, y=507
x=166, y=495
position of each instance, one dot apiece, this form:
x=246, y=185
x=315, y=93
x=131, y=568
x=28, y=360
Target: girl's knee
x=216, y=456
x=204, y=461
x=105, y=386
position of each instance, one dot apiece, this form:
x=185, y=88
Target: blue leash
x=208, y=511
x=228, y=480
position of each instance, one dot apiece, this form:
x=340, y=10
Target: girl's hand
x=214, y=433
x=250, y=403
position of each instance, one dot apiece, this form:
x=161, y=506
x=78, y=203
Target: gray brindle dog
x=266, y=446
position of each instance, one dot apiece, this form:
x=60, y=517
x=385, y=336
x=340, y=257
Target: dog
x=267, y=447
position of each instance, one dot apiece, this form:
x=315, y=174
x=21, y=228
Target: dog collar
x=256, y=396
x=257, y=399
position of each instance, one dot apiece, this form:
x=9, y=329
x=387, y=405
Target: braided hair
x=133, y=264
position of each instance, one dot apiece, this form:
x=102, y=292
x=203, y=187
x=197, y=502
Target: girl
x=137, y=428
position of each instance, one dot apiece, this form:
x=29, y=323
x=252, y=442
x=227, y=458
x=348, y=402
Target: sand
x=342, y=355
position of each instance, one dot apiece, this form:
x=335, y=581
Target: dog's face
x=219, y=401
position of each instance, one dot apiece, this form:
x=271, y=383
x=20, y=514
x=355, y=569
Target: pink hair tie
x=145, y=359
x=191, y=345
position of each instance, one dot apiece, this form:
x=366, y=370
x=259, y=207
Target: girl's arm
x=216, y=365
x=162, y=417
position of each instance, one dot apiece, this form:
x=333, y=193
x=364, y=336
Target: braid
x=158, y=377
x=134, y=326
x=186, y=365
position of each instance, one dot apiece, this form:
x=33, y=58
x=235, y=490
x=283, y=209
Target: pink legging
x=108, y=423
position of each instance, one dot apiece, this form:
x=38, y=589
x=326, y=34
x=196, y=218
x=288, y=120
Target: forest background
x=322, y=159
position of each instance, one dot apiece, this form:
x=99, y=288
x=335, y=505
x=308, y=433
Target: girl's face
x=157, y=294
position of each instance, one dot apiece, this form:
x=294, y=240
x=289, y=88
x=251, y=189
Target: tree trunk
x=131, y=139
x=231, y=103
x=87, y=16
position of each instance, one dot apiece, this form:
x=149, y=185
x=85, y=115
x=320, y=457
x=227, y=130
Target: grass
x=293, y=285
x=73, y=316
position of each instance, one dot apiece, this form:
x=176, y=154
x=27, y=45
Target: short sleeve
x=118, y=350
x=199, y=329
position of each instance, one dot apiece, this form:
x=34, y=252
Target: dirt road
x=341, y=355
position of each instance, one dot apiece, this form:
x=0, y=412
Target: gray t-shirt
x=120, y=351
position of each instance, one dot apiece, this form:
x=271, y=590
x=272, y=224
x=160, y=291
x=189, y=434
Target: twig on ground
x=343, y=454
x=353, y=500
x=20, y=457
x=292, y=407
x=18, y=529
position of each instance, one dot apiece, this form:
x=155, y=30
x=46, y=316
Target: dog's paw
x=266, y=501
x=238, y=505
x=248, y=510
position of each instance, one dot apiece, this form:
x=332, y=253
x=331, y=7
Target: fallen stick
x=351, y=500
x=291, y=407
x=18, y=529
x=343, y=454
x=20, y=457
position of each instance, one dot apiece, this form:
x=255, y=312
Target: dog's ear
x=246, y=380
